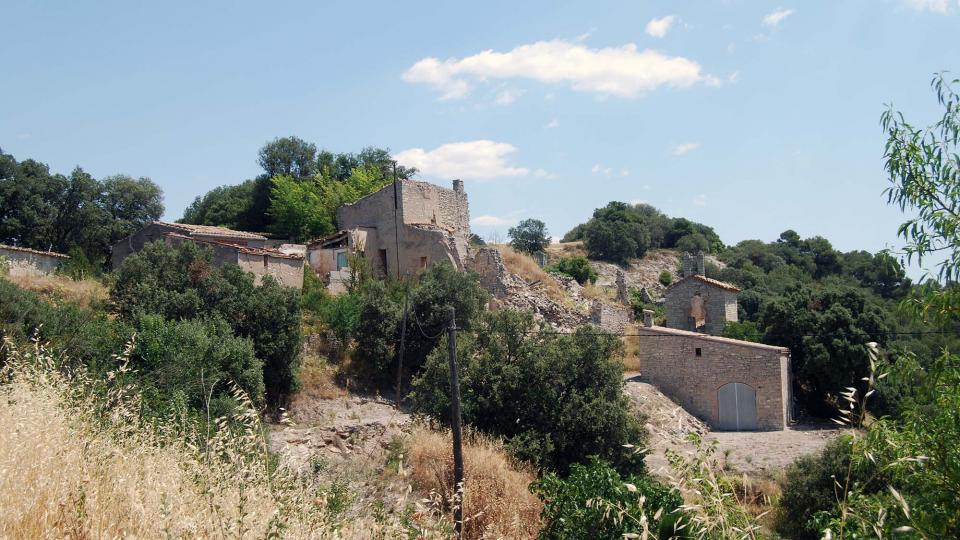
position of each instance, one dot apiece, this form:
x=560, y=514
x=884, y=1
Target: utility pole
x=403, y=340
x=455, y=423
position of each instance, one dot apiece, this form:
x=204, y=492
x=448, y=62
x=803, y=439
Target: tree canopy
x=529, y=236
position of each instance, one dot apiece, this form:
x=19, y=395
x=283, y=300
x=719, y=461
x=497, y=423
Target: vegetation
x=620, y=231
x=556, y=399
x=665, y=278
x=181, y=283
x=75, y=213
x=594, y=501
x=529, y=236
x=577, y=267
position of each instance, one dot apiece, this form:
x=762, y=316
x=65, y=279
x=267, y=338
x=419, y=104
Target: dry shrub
x=318, y=379
x=497, y=501
x=631, y=351
x=77, y=462
x=83, y=292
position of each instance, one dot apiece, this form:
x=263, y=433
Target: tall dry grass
x=527, y=269
x=497, y=502
x=83, y=292
x=77, y=462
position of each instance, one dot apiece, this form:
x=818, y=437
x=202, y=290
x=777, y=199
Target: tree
x=529, y=236
x=224, y=206
x=556, y=399
x=577, y=267
x=288, y=156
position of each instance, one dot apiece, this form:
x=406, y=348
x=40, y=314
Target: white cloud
x=624, y=172
x=638, y=201
x=774, y=19
x=700, y=200
x=684, y=148
x=540, y=173
x=491, y=221
x=612, y=71
x=508, y=96
x=600, y=169
x=937, y=6
x=553, y=124
x=660, y=27
x=470, y=159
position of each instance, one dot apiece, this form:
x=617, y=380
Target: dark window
x=699, y=352
x=423, y=262
x=265, y=260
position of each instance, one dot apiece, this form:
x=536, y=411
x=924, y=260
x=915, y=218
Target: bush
x=556, y=399
x=529, y=236
x=577, y=267
x=594, y=501
x=665, y=278
x=4, y=266
x=809, y=487
x=743, y=330
x=615, y=241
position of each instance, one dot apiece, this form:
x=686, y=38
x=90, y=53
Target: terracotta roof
x=34, y=251
x=709, y=281
x=717, y=339
x=209, y=230
x=241, y=249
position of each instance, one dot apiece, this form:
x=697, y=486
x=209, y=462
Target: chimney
x=458, y=185
x=687, y=265
x=701, y=267
x=648, y=318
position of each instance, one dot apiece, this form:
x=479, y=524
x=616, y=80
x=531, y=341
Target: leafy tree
x=181, y=283
x=529, y=236
x=556, y=399
x=577, y=267
x=743, y=330
x=225, y=206
x=827, y=328
x=615, y=241
x=594, y=501
x=288, y=156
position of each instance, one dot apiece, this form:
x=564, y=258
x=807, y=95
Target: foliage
x=181, y=283
x=4, y=266
x=743, y=330
x=556, y=399
x=827, y=328
x=665, y=278
x=529, y=236
x=78, y=266
x=810, y=487
x=224, y=206
x=577, y=267
x=620, y=231
x=47, y=211
x=594, y=501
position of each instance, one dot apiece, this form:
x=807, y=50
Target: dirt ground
x=756, y=453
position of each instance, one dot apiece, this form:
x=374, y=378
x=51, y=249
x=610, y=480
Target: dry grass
x=567, y=249
x=527, y=269
x=497, y=502
x=318, y=379
x=84, y=292
x=81, y=466
x=631, y=351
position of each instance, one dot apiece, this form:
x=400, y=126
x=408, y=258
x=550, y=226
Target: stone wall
x=611, y=318
x=720, y=304
x=28, y=262
x=488, y=264
x=424, y=203
x=669, y=361
x=287, y=271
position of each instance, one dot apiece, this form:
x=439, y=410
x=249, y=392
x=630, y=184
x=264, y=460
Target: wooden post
x=455, y=423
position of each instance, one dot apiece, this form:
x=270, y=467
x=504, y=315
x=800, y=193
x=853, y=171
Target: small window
x=423, y=262
x=266, y=260
x=341, y=260
x=699, y=352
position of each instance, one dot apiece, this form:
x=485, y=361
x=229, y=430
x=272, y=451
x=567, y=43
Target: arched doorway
x=738, y=407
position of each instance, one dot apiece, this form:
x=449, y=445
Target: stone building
x=428, y=223
x=698, y=303
x=31, y=262
x=730, y=384
x=253, y=252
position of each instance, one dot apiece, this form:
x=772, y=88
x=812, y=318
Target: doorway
x=738, y=407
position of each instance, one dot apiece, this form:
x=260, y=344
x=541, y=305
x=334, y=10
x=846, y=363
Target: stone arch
x=737, y=403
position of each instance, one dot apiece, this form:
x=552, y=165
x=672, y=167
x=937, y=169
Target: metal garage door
x=738, y=407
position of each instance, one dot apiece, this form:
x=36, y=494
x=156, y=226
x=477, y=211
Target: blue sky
x=752, y=117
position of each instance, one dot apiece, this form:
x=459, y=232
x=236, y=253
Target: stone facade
x=488, y=264
x=691, y=368
x=611, y=318
x=719, y=301
x=31, y=262
x=431, y=224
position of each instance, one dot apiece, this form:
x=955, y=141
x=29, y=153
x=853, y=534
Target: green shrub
x=4, y=266
x=594, y=501
x=556, y=399
x=743, y=330
x=78, y=266
x=666, y=278
x=577, y=267
x=809, y=487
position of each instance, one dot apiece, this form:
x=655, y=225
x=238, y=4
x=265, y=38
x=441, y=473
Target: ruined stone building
x=31, y=262
x=698, y=303
x=253, y=252
x=429, y=224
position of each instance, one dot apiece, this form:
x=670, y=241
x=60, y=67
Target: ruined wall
x=668, y=360
x=423, y=203
x=611, y=318
x=720, y=304
x=488, y=264
x=30, y=263
x=289, y=272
